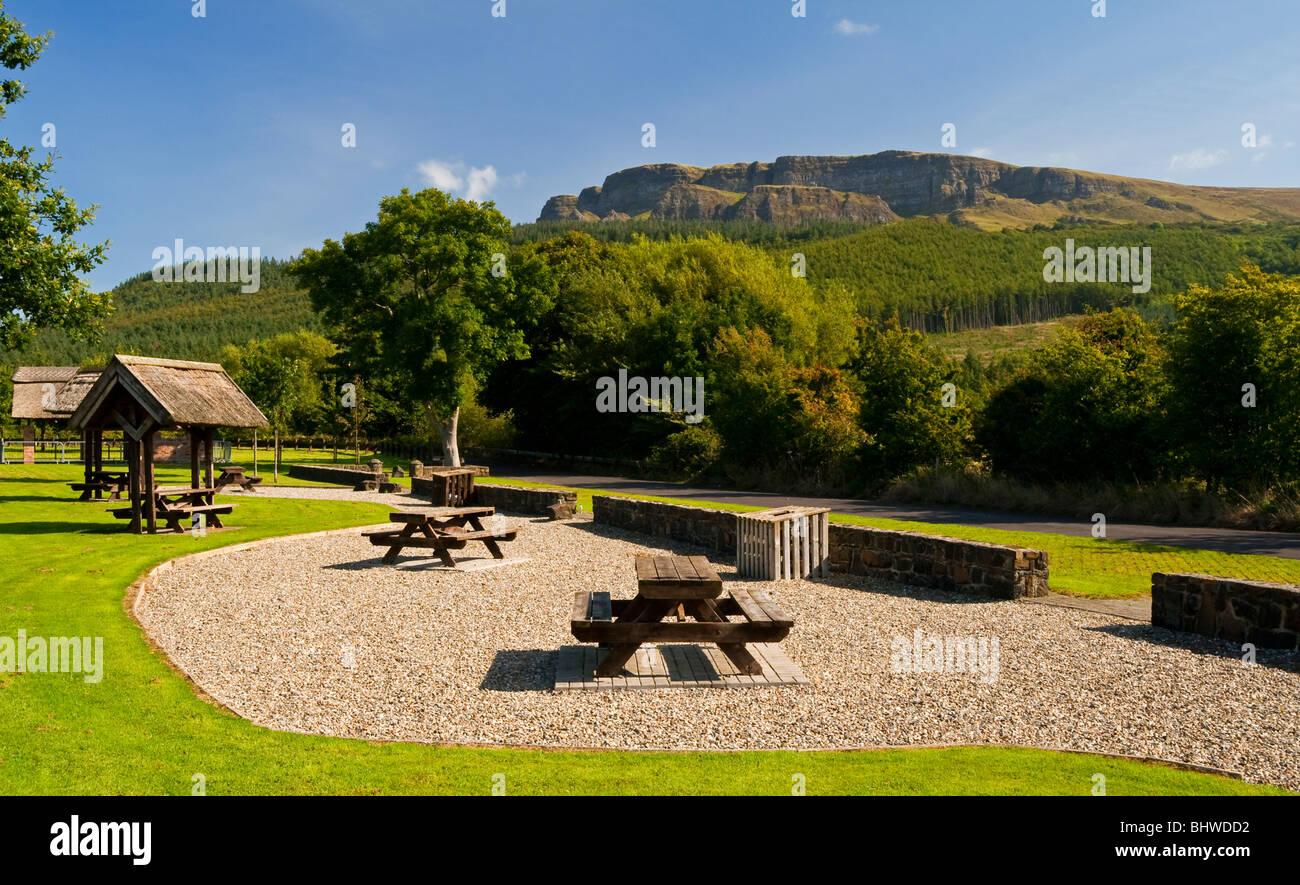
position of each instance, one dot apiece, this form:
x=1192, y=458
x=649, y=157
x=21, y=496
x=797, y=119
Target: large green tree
x=908, y=416
x=1234, y=375
x=657, y=309
x=429, y=297
x=41, y=261
x=1088, y=406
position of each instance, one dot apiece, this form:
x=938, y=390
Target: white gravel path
x=316, y=636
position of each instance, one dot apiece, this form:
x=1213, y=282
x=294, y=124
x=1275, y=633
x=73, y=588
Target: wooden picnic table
x=102, y=481
x=233, y=475
x=681, y=585
x=443, y=530
x=179, y=504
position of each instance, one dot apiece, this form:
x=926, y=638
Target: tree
x=312, y=389
x=427, y=297
x=1088, y=407
x=1234, y=375
x=40, y=258
x=272, y=381
x=901, y=386
x=656, y=309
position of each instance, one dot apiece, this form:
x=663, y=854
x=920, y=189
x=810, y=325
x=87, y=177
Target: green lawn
x=1078, y=566
x=142, y=730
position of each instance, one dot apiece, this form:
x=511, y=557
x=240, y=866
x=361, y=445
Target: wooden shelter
x=50, y=394
x=36, y=391
x=142, y=396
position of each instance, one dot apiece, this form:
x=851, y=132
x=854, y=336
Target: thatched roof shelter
x=70, y=395
x=36, y=391
x=141, y=396
x=169, y=393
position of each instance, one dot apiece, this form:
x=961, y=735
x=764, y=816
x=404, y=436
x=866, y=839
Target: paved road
x=1227, y=540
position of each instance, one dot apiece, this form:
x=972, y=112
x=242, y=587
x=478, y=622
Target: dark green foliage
x=1244, y=333
x=1086, y=408
x=901, y=384
x=187, y=321
x=690, y=453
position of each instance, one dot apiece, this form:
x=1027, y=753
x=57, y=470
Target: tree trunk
x=447, y=433
x=275, y=469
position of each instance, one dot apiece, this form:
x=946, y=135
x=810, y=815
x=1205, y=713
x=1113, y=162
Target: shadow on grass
x=31, y=480
x=39, y=499
x=57, y=528
x=522, y=670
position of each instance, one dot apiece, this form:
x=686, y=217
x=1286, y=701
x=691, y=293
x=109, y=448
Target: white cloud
x=1197, y=159
x=479, y=183
x=473, y=182
x=854, y=29
x=982, y=152
x=442, y=175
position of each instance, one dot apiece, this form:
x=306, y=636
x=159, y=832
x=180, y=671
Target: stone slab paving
x=675, y=666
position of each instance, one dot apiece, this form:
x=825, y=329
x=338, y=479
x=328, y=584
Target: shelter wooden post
x=99, y=458
x=150, y=500
x=194, y=458
x=208, y=459
x=88, y=458
x=132, y=449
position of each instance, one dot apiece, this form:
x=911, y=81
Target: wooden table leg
x=395, y=545
x=440, y=547
x=706, y=610
x=651, y=611
x=490, y=543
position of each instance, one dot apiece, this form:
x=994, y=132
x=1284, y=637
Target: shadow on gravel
x=359, y=565
x=1202, y=645
x=522, y=670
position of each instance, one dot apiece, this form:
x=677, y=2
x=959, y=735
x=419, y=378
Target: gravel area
x=316, y=636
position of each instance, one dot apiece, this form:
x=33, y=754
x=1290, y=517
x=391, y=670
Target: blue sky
x=226, y=130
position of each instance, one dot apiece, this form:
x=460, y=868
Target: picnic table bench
x=113, y=483
x=681, y=585
x=234, y=475
x=177, y=504
x=442, y=530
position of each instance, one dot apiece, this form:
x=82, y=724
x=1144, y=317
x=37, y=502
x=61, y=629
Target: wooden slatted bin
x=452, y=486
x=783, y=543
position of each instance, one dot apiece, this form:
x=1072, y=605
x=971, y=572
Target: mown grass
x=65, y=566
x=1079, y=566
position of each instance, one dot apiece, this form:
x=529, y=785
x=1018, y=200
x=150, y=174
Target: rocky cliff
x=878, y=188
